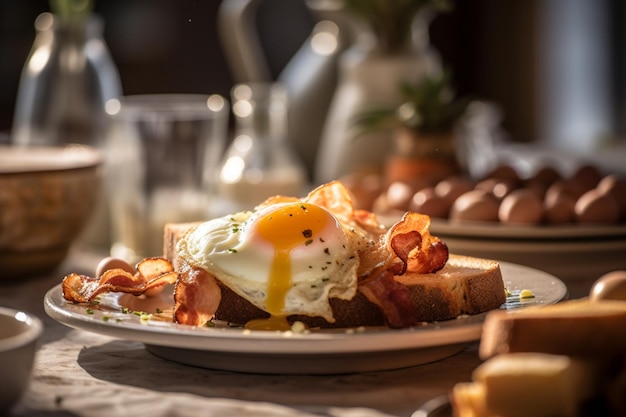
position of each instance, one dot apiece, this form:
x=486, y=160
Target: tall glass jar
x=259, y=162
x=67, y=79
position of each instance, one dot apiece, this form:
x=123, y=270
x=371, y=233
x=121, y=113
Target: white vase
x=367, y=79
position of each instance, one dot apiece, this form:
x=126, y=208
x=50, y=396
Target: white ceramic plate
x=317, y=352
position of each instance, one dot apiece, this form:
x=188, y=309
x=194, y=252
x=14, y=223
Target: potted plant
x=422, y=130
x=390, y=44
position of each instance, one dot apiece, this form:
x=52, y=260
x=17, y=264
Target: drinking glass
x=162, y=153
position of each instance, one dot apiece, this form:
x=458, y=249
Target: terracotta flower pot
x=421, y=159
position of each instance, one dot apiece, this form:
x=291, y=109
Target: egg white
x=230, y=249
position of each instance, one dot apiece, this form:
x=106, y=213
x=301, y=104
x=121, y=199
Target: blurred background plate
x=508, y=232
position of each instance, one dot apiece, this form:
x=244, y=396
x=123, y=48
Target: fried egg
x=285, y=258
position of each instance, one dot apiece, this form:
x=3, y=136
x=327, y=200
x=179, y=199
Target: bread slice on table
x=566, y=359
x=576, y=327
x=526, y=384
x=465, y=285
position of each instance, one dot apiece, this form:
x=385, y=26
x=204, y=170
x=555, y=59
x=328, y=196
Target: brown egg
x=113, y=263
x=616, y=186
x=560, y=209
x=475, y=205
x=380, y=204
x=563, y=187
x=586, y=176
x=365, y=189
x=504, y=172
x=399, y=195
x=546, y=175
x=426, y=201
x=610, y=286
x=537, y=187
x=498, y=187
x=595, y=207
x=453, y=187
x=521, y=206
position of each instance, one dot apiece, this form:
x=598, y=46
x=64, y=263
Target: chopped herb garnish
x=303, y=207
x=105, y=318
x=209, y=323
x=89, y=311
x=327, y=251
x=232, y=250
x=308, y=242
x=125, y=310
x=159, y=311
x=307, y=233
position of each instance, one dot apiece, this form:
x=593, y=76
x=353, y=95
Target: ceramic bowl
x=19, y=332
x=47, y=195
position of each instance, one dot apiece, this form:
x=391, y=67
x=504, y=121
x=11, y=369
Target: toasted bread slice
x=465, y=285
x=577, y=327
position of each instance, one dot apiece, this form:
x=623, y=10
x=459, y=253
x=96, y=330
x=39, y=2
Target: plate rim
x=318, y=342
x=524, y=232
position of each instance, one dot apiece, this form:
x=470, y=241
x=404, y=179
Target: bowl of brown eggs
x=47, y=195
x=573, y=226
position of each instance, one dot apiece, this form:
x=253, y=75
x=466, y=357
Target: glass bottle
x=68, y=77
x=65, y=83
x=259, y=163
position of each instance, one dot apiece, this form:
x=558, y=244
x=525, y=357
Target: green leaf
x=432, y=101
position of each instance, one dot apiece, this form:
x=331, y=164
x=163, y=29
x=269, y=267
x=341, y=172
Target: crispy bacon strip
x=392, y=298
x=335, y=197
x=151, y=273
x=412, y=243
x=197, y=296
x=410, y=247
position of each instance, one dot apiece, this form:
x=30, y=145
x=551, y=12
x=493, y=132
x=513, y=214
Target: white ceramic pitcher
x=309, y=77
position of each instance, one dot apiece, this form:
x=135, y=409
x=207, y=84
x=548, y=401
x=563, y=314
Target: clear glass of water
x=162, y=154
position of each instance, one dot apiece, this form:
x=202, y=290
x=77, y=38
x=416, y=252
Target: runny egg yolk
x=285, y=229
